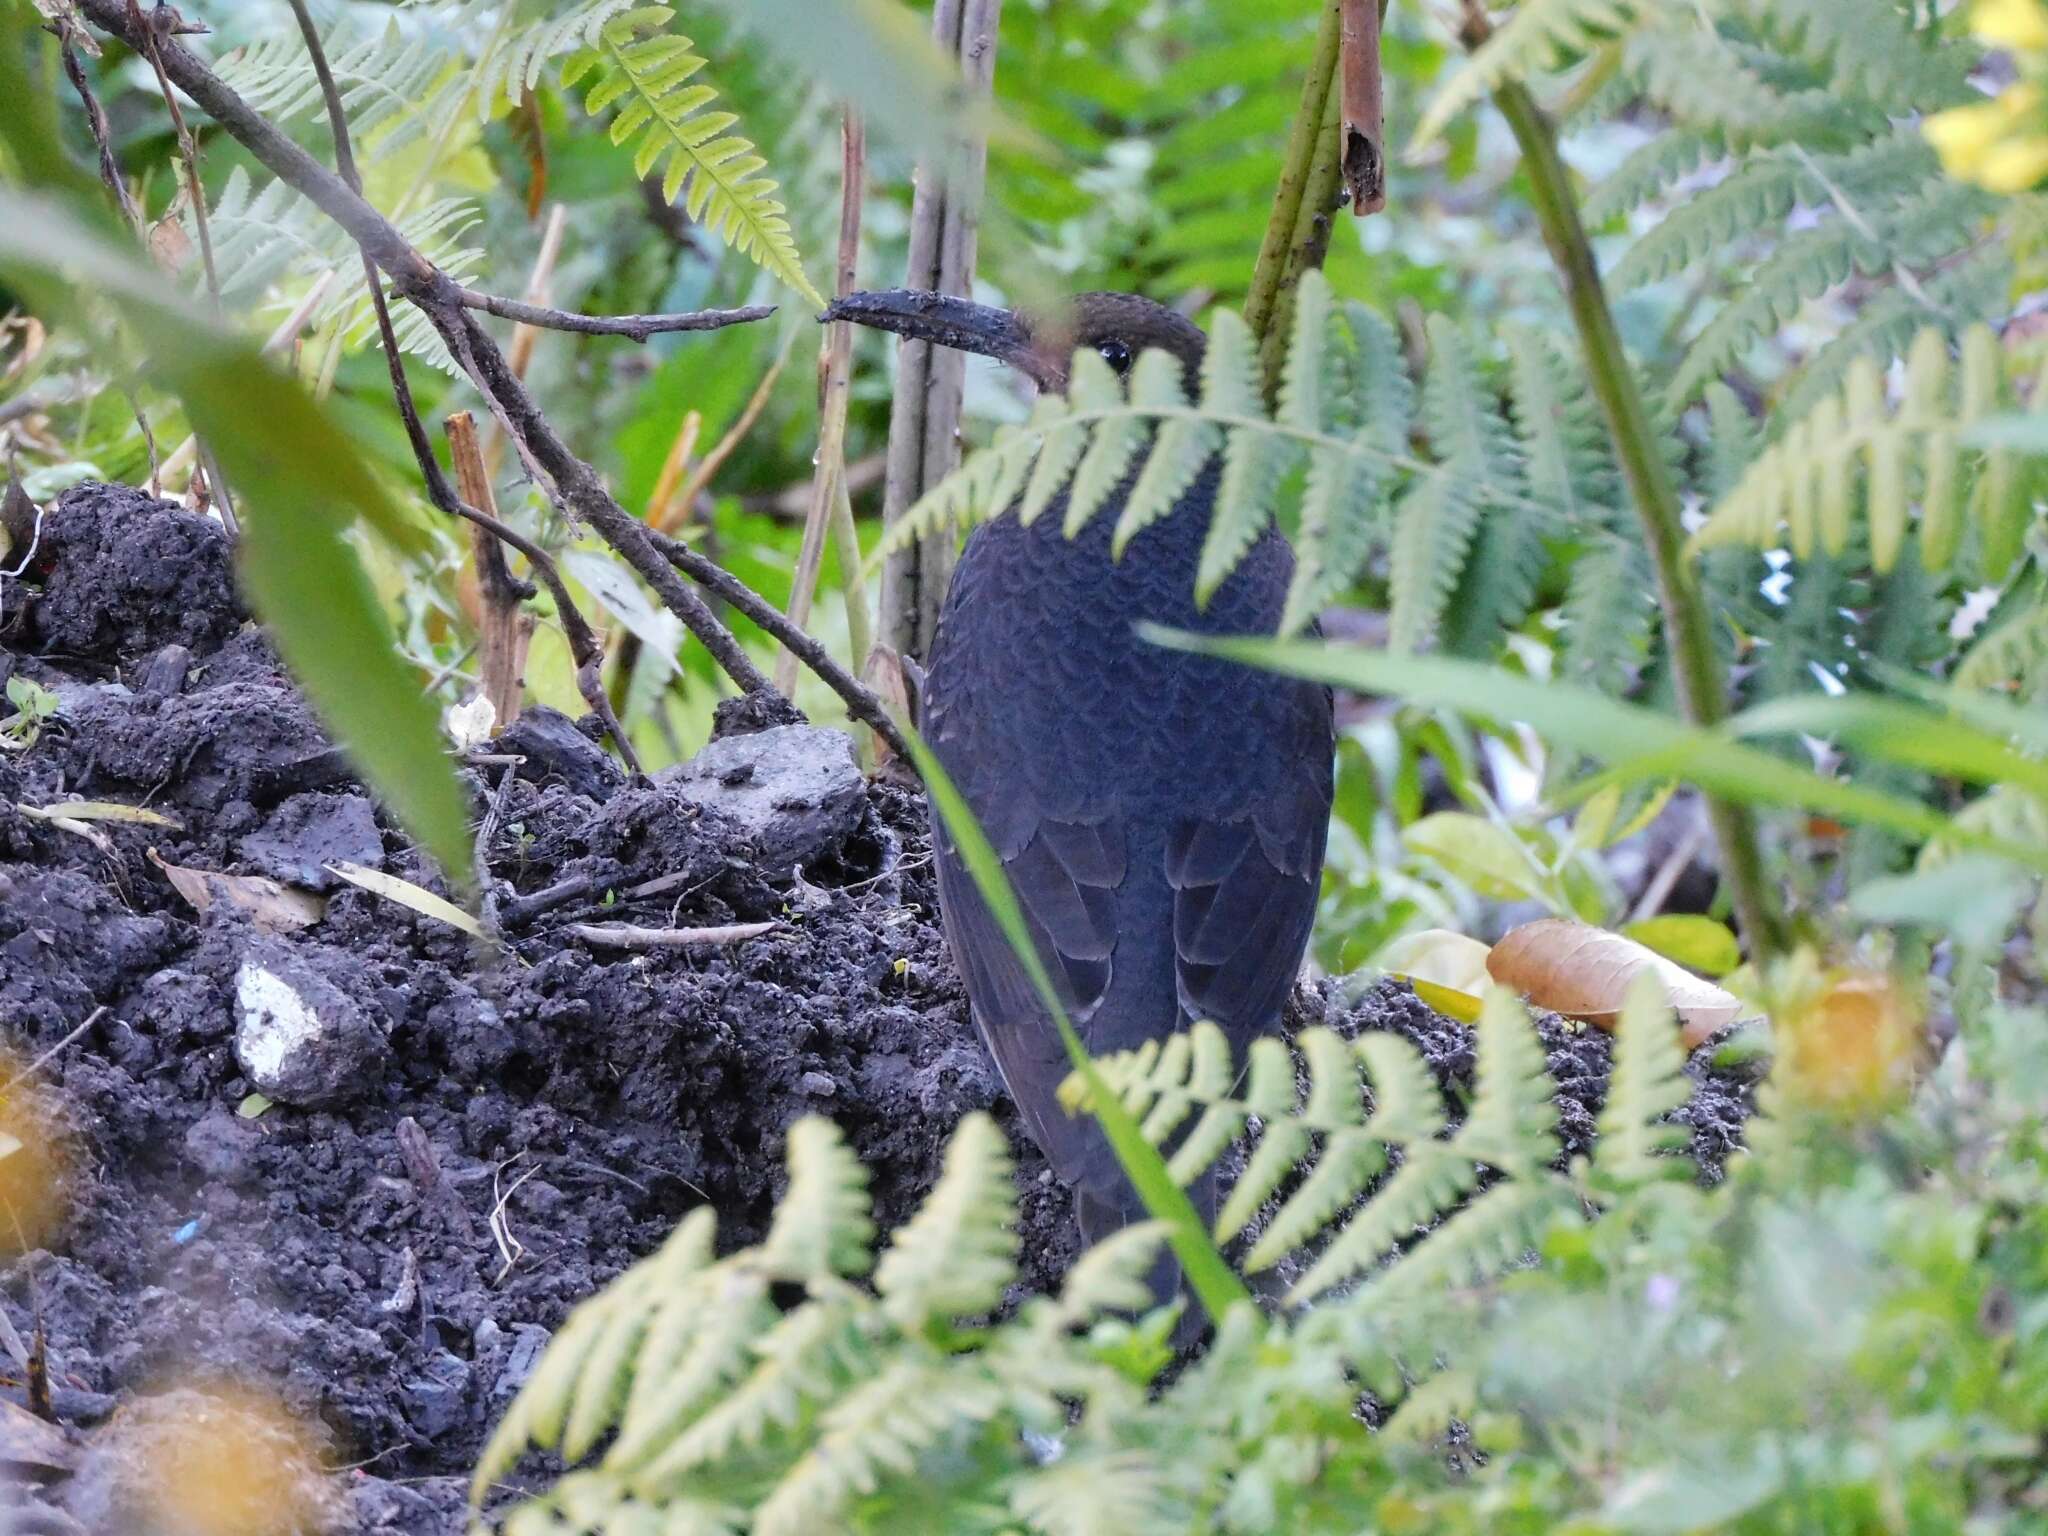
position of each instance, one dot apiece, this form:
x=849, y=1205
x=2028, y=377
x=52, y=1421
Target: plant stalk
x=1687, y=627
x=1262, y=302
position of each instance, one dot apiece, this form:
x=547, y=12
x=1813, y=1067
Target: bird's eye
x=1116, y=354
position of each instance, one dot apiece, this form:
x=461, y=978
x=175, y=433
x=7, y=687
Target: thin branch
x=861, y=701
x=584, y=647
x=438, y=297
x=96, y=122
x=151, y=46
x=1688, y=630
x=628, y=936
x=633, y=327
x=835, y=369
x=504, y=629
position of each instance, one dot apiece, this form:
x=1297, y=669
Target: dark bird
x=1162, y=816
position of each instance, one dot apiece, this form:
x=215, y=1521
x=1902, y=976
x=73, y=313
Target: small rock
x=163, y=672
x=299, y=1038
x=219, y=1144
x=521, y=1356
x=555, y=749
x=308, y=832
x=794, y=789
x=433, y=1399
x=818, y=1085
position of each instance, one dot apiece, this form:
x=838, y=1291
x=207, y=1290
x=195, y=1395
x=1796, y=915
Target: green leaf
x=1699, y=943
x=1485, y=856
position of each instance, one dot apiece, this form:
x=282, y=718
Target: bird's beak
x=946, y=321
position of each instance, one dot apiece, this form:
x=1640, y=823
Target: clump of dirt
x=389, y=1267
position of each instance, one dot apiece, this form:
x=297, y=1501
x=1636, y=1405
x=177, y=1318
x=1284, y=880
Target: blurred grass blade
x=1899, y=733
x=1214, y=1282
x=1638, y=744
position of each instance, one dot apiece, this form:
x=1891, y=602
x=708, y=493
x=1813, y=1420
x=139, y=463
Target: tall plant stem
x=1262, y=303
x=1687, y=629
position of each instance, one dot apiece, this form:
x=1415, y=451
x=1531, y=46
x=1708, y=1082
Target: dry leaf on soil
x=272, y=907
x=1584, y=973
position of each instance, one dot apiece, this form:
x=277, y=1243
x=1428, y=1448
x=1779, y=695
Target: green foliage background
x=1819, y=231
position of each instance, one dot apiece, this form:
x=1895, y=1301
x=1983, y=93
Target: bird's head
x=1117, y=326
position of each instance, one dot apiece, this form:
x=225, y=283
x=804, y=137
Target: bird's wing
x=1065, y=875
x=1244, y=899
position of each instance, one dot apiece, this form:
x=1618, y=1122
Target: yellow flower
x=1850, y=1045
x=1998, y=144
x=2017, y=24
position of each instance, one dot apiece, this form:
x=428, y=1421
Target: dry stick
x=835, y=366
x=924, y=420
x=54, y=1052
x=438, y=297
x=152, y=47
x=96, y=121
x=633, y=327
x=627, y=936
x=584, y=647
x=1363, y=161
x=504, y=628
x=1688, y=630
x=676, y=508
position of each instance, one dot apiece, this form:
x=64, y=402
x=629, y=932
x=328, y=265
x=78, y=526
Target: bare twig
x=924, y=420
x=584, y=647
x=629, y=936
x=96, y=122
x=677, y=507
x=504, y=628
x=569, y=479
x=835, y=366
x=151, y=45
x=633, y=327
x=525, y=336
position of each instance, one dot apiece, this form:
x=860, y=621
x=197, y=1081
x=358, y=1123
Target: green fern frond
x=640, y=64
x=823, y=1225
x=2007, y=813
x=1109, y=1493
x=1538, y=35
x=1940, y=219
x=1745, y=97
x=2011, y=658
x=1344, y=503
x=1650, y=170
x=1637, y=1141
x=1512, y=1124
x=1610, y=616
x=959, y=1253
x=1869, y=48
x=1254, y=460
x=1807, y=481
x=381, y=78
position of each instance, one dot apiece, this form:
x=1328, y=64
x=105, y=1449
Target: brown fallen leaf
x=272, y=907
x=1584, y=972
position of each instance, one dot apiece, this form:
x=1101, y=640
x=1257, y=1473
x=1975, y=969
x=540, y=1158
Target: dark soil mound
x=518, y=1126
